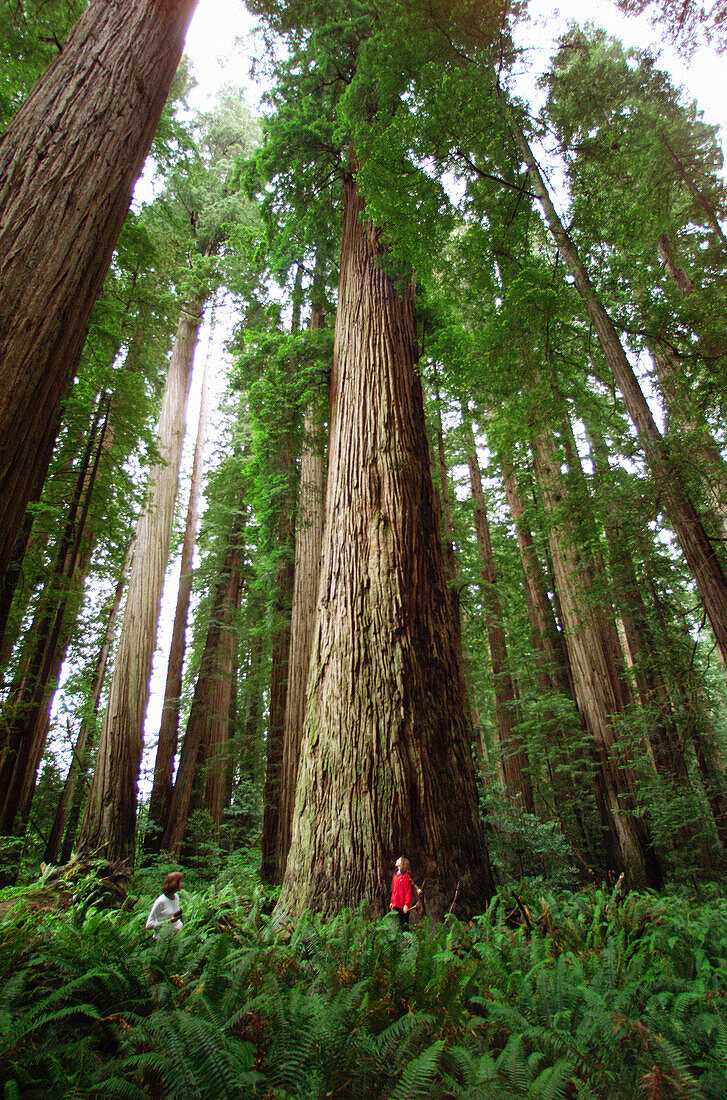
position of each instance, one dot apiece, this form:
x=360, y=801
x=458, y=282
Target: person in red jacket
x=401, y=891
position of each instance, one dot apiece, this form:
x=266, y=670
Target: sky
x=220, y=45
x=220, y=39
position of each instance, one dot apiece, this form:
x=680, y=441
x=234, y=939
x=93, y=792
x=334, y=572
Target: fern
x=418, y=1077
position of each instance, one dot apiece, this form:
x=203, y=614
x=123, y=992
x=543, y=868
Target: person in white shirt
x=166, y=909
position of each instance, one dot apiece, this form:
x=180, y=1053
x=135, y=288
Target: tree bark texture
x=601, y=689
x=386, y=761
x=309, y=536
x=68, y=811
x=161, y=791
x=208, y=725
x=68, y=163
x=513, y=755
x=698, y=550
x=110, y=819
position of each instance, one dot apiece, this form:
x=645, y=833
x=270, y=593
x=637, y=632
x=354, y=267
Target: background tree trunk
x=208, y=724
x=683, y=516
x=161, y=791
x=65, y=822
x=514, y=765
x=110, y=819
x=309, y=537
x=601, y=689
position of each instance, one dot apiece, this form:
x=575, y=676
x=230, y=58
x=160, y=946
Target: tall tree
x=309, y=536
x=384, y=661
x=110, y=818
x=93, y=113
x=514, y=767
x=202, y=758
x=161, y=791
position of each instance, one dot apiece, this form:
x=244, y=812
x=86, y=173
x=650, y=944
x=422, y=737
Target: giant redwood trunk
x=309, y=535
x=68, y=163
x=110, y=819
x=514, y=765
x=683, y=517
x=386, y=762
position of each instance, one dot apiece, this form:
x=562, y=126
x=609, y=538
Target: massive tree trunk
x=68, y=812
x=683, y=516
x=161, y=791
x=309, y=536
x=513, y=762
x=386, y=761
x=110, y=819
x=208, y=725
x=68, y=162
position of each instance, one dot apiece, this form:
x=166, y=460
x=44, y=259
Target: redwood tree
x=386, y=762
x=110, y=817
x=68, y=163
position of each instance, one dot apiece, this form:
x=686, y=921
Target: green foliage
x=31, y=34
x=592, y=995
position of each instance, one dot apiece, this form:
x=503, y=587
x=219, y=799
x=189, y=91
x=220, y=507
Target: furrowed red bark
x=386, y=761
x=68, y=163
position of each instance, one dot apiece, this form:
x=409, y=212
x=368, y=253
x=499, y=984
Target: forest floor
x=591, y=995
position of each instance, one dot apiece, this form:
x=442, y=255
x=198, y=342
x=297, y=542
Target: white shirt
x=162, y=909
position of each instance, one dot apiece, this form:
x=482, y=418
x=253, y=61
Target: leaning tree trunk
x=513, y=756
x=161, y=791
x=686, y=522
x=68, y=162
x=110, y=819
x=386, y=761
x=601, y=690
x=309, y=536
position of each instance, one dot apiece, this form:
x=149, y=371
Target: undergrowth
x=590, y=996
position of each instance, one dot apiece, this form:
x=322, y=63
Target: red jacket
x=401, y=891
